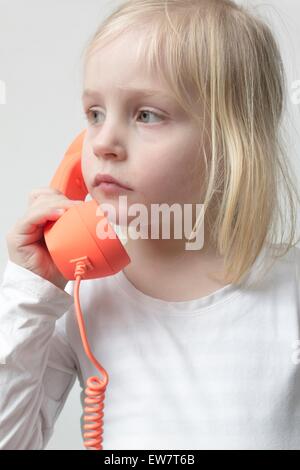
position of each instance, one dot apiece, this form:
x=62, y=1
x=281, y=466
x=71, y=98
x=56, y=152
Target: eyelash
x=87, y=113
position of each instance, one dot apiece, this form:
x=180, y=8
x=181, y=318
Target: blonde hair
x=230, y=59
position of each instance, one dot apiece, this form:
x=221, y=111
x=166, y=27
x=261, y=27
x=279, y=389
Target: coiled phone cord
x=95, y=388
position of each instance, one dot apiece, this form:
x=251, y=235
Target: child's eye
x=92, y=114
x=147, y=111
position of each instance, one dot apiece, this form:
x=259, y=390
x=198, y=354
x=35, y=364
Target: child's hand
x=25, y=242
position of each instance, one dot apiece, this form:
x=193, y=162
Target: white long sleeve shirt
x=218, y=372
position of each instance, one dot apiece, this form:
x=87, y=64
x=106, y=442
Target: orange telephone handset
x=79, y=253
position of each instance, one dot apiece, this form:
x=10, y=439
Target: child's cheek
x=87, y=177
x=88, y=171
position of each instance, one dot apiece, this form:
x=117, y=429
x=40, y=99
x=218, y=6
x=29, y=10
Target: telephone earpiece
x=79, y=252
x=74, y=235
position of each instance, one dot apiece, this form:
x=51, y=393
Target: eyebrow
x=133, y=91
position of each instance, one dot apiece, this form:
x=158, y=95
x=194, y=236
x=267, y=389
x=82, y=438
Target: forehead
x=119, y=64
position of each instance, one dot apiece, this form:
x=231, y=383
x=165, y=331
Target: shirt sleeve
x=38, y=367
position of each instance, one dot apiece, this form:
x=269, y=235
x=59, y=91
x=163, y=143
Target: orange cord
x=95, y=388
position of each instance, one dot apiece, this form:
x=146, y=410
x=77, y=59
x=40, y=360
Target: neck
x=165, y=257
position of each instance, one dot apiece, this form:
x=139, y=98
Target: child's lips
x=111, y=188
x=108, y=181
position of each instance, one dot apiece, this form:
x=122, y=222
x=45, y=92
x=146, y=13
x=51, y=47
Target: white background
x=41, y=47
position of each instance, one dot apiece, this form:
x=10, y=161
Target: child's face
x=156, y=154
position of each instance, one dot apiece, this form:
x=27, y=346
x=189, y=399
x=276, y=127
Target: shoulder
x=291, y=257
x=285, y=262
x=276, y=265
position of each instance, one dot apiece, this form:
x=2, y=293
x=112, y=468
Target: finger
x=35, y=193
x=38, y=218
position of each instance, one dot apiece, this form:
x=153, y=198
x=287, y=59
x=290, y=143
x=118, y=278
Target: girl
x=198, y=344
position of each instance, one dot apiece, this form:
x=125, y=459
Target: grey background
x=41, y=45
